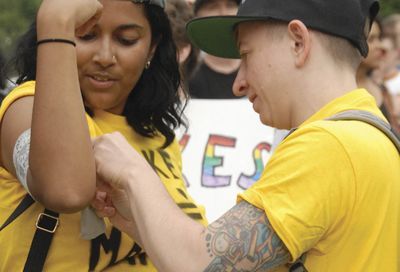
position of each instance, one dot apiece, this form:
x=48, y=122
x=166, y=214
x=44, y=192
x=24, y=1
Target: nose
x=105, y=55
x=240, y=84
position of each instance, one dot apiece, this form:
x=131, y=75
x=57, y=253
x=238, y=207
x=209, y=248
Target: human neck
x=221, y=65
x=322, y=85
x=368, y=83
x=362, y=74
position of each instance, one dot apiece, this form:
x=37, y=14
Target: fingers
x=102, y=205
x=106, y=212
x=111, y=157
x=83, y=14
x=89, y=24
x=103, y=186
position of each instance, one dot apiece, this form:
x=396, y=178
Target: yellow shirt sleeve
x=305, y=190
x=26, y=89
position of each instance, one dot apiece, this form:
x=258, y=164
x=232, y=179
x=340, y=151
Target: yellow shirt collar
x=358, y=99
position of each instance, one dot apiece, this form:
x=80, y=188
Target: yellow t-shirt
x=332, y=189
x=114, y=251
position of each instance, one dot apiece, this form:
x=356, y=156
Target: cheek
x=135, y=58
x=83, y=57
x=131, y=75
x=257, y=79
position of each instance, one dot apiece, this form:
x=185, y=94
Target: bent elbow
x=64, y=202
x=64, y=197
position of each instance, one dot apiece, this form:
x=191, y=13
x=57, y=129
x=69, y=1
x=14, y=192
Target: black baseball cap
x=198, y=3
x=160, y=3
x=343, y=18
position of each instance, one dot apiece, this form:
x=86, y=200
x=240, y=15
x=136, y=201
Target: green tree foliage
x=15, y=17
x=389, y=6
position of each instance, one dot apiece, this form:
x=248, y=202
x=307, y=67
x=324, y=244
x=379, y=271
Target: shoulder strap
x=46, y=225
x=298, y=265
x=367, y=117
x=25, y=203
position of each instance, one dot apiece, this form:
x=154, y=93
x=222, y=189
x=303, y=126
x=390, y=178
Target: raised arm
x=241, y=240
x=62, y=171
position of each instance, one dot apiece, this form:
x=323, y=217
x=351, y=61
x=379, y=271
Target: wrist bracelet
x=55, y=41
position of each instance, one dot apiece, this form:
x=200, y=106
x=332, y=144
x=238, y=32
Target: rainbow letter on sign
x=245, y=181
x=211, y=161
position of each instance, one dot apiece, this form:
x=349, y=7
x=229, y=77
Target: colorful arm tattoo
x=243, y=240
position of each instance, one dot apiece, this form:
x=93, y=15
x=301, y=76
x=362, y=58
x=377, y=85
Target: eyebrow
x=130, y=26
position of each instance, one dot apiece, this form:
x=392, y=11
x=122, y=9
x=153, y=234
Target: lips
x=252, y=98
x=101, y=80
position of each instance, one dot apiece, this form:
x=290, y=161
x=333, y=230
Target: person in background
x=329, y=197
x=190, y=3
x=370, y=74
x=179, y=13
x=86, y=68
x=391, y=29
x=391, y=69
x=214, y=76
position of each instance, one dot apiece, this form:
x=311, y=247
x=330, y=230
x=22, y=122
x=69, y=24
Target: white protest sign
x=224, y=151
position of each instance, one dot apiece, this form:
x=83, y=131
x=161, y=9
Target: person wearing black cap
x=213, y=76
x=331, y=190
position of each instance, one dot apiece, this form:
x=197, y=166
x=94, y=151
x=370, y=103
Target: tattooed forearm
x=243, y=240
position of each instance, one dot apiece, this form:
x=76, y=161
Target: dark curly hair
x=2, y=71
x=154, y=105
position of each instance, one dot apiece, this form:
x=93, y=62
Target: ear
x=184, y=53
x=152, y=51
x=301, y=41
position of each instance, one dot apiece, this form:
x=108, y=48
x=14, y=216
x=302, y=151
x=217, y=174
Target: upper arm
x=244, y=240
x=56, y=194
x=16, y=120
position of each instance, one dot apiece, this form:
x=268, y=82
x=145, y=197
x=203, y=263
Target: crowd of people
x=381, y=67
x=209, y=77
x=91, y=171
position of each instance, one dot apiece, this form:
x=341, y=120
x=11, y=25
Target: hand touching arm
x=241, y=240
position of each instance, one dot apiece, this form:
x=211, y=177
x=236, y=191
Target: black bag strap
x=25, y=203
x=353, y=115
x=46, y=224
x=298, y=265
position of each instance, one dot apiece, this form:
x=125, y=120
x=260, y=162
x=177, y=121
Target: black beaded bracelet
x=55, y=41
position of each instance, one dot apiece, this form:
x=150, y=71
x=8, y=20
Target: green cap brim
x=216, y=35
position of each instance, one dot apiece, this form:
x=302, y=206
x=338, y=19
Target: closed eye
x=88, y=37
x=243, y=55
x=127, y=42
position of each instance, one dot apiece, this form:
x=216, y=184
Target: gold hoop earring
x=147, y=66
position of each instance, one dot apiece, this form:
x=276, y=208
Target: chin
x=265, y=121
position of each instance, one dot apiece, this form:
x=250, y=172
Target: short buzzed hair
x=341, y=50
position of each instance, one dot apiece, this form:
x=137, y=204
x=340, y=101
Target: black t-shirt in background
x=206, y=83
